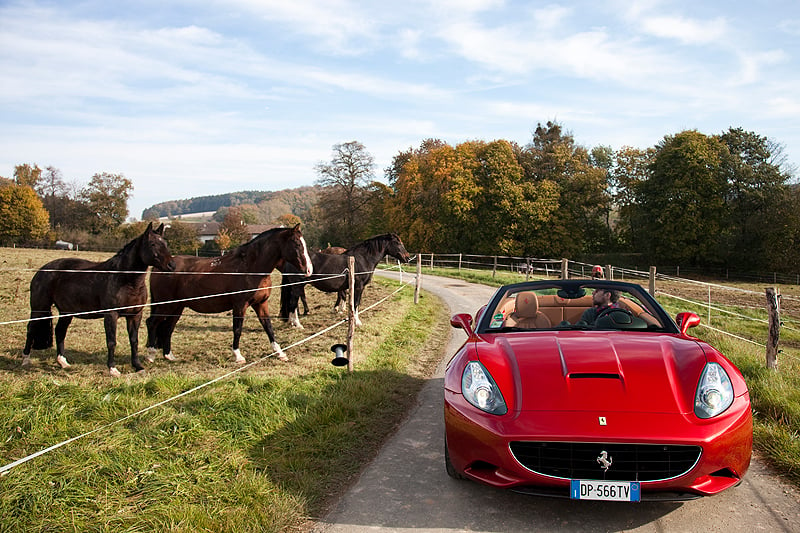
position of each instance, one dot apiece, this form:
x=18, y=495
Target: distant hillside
x=270, y=204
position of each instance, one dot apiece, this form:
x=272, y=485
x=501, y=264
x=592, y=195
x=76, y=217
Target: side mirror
x=687, y=320
x=462, y=321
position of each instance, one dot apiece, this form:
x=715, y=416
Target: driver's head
x=603, y=297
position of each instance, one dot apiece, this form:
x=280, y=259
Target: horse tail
x=41, y=331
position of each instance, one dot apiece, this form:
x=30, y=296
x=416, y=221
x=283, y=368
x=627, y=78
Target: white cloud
x=686, y=31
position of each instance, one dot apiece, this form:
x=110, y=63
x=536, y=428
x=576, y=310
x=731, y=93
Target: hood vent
x=597, y=375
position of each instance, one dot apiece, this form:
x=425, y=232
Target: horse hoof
x=238, y=358
x=63, y=362
x=170, y=357
x=150, y=356
x=114, y=372
x=26, y=361
x=282, y=357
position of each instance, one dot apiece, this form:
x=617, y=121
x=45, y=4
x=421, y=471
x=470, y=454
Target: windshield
x=574, y=305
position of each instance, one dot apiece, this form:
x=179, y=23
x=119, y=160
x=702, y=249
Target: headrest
x=527, y=304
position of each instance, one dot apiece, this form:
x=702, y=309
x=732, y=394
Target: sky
x=202, y=97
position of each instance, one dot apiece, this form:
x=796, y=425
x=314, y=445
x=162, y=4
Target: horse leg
x=164, y=335
x=238, y=322
x=110, y=324
x=133, y=337
x=294, y=307
x=341, y=300
x=262, y=311
x=303, y=299
x=152, y=323
x=356, y=302
x=61, y=332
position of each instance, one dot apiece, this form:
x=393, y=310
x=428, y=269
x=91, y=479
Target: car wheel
x=451, y=470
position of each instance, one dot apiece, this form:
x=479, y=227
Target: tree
x=52, y=190
x=757, y=199
x=23, y=218
x=682, y=210
x=107, y=197
x=223, y=239
x=27, y=175
x=182, y=237
x=288, y=220
x=346, y=192
x=629, y=169
x=234, y=227
x=578, y=223
x=419, y=182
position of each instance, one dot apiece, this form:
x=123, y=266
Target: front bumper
x=479, y=445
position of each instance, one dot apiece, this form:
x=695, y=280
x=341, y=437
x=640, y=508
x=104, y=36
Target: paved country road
x=406, y=486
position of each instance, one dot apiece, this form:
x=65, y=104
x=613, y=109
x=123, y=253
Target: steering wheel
x=623, y=315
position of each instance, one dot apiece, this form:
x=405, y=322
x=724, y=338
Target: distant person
x=602, y=299
x=597, y=272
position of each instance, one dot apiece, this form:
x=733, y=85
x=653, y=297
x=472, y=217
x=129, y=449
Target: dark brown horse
x=331, y=250
x=329, y=273
x=109, y=290
x=238, y=279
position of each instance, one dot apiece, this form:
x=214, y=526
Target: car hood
x=579, y=371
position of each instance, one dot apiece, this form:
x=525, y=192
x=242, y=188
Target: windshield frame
x=576, y=288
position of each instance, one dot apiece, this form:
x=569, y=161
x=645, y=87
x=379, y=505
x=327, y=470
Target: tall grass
x=262, y=450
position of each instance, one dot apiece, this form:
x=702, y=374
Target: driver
x=602, y=299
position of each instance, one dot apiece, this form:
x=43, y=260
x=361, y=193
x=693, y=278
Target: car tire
x=451, y=470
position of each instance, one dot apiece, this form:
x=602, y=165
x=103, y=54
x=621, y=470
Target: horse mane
x=371, y=244
x=243, y=248
x=117, y=258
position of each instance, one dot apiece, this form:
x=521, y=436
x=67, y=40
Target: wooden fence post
x=565, y=269
x=773, y=307
x=418, y=283
x=351, y=311
x=494, y=267
x=652, y=289
x=609, y=273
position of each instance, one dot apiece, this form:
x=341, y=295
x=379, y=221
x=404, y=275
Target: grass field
x=263, y=449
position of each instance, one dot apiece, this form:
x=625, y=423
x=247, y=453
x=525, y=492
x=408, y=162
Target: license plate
x=615, y=491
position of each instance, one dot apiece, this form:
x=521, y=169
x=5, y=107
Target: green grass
x=263, y=450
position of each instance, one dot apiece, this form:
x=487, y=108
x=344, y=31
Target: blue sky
x=191, y=98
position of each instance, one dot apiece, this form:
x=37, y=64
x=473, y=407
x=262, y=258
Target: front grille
x=629, y=462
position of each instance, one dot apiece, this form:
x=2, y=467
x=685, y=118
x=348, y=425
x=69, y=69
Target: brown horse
x=109, y=290
x=238, y=279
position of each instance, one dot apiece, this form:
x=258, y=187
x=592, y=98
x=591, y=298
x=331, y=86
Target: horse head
x=295, y=251
x=396, y=249
x=154, y=250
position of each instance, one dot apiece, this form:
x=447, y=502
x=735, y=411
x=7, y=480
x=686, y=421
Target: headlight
x=480, y=390
x=714, y=392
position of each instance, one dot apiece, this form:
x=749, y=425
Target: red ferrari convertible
x=589, y=390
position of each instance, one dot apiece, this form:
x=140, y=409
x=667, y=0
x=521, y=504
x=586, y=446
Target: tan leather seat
x=527, y=314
